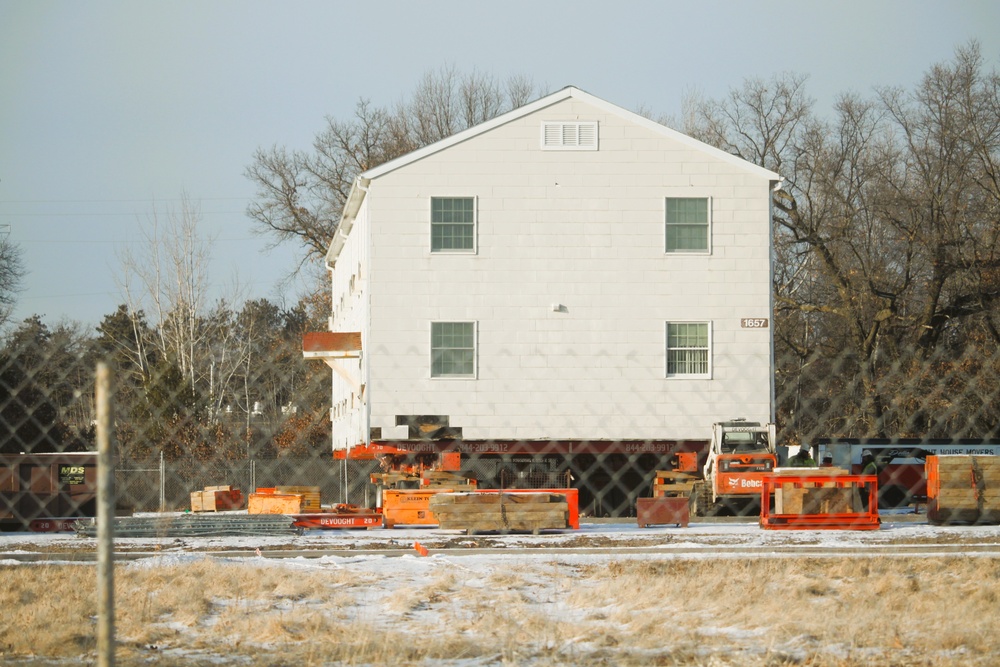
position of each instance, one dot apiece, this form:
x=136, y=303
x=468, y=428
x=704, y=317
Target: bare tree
x=172, y=276
x=886, y=238
x=300, y=194
x=946, y=193
x=759, y=122
x=11, y=273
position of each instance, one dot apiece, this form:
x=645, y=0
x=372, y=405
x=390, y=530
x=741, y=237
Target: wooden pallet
x=500, y=512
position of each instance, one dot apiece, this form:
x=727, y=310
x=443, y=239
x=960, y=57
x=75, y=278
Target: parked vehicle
x=740, y=454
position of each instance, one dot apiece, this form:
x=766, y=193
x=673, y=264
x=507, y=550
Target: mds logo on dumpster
x=71, y=474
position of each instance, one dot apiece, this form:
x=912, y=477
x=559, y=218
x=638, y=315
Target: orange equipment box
x=275, y=503
x=687, y=462
x=409, y=506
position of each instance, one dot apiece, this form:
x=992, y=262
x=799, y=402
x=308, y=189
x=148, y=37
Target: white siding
x=583, y=229
x=349, y=278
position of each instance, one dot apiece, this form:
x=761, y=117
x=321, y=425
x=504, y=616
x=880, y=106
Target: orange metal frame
x=863, y=520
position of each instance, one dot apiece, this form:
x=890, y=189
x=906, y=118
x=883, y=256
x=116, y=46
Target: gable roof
x=569, y=92
x=360, y=186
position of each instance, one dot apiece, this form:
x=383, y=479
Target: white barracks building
x=569, y=271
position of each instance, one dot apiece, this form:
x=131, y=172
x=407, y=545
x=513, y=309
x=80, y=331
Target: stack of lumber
x=500, y=512
x=435, y=479
x=285, y=500
x=396, y=480
x=963, y=489
x=673, y=483
x=216, y=498
x=789, y=499
x=447, y=479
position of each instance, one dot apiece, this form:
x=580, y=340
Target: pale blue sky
x=108, y=107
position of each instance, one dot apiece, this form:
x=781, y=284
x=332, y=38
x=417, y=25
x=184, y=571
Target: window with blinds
x=689, y=349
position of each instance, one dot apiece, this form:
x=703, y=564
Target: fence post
x=343, y=481
x=163, y=484
x=105, y=521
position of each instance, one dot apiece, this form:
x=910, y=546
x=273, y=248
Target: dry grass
x=824, y=612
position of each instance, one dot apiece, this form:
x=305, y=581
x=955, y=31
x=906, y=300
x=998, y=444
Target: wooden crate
x=216, y=498
x=500, y=512
x=275, y=503
x=963, y=489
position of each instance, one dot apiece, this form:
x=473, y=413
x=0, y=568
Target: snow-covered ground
x=618, y=537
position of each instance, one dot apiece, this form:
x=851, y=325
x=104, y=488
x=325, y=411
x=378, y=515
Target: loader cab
x=744, y=442
x=739, y=436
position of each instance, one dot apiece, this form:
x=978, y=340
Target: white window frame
x=707, y=375
x=475, y=226
x=475, y=351
x=666, y=225
x=566, y=135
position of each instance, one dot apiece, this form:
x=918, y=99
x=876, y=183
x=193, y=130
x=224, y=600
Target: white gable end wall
x=583, y=230
x=349, y=279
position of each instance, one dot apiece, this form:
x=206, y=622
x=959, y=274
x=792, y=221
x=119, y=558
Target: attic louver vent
x=569, y=135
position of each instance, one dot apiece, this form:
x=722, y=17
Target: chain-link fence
x=887, y=420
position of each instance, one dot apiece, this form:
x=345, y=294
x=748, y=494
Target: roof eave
x=356, y=197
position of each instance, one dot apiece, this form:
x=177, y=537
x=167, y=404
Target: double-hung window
x=453, y=224
x=689, y=349
x=453, y=349
x=688, y=224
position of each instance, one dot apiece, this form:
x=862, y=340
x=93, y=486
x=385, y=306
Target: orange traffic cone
x=421, y=549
